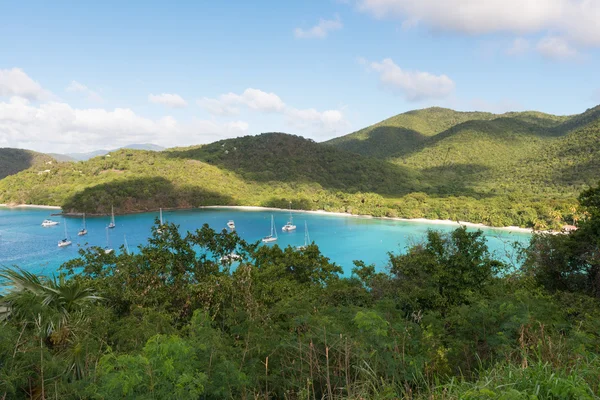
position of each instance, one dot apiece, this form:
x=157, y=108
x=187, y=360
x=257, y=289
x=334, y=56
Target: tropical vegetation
x=175, y=319
x=13, y=161
x=522, y=169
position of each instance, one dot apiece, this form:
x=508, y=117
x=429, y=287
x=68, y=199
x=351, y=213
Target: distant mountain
x=13, y=161
x=61, y=157
x=96, y=153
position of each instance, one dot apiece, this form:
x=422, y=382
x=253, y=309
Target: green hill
x=266, y=170
x=13, y=161
x=407, y=132
x=512, y=169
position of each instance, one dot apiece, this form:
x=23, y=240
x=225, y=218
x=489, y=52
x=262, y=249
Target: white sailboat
x=273, y=236
x=65, y=242
x=83, y=230
x=49, y=222
x=289, y=226
x=306, y=238
x=231, y=224
x=107, y=249
x=112, y=218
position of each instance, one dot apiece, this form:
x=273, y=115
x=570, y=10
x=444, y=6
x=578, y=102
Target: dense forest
x=13, y=161
x=176, y=320
x=522, y=169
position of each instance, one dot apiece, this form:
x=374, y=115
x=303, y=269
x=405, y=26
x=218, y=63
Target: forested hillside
x=267, y=170
x=520, y=169
x=16, y=160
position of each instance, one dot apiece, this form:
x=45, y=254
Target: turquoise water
x=24, y=242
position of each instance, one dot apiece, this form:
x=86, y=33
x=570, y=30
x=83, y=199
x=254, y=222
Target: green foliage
x=177, y=321
x=13, y=161
x=570, y=262
x=447, y=270
x=166, y=369
x=525, y=171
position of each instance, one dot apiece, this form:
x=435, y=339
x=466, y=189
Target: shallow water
x=24, y=242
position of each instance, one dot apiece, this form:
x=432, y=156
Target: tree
x=570, y=262
x=447, y=270
x=55, y=308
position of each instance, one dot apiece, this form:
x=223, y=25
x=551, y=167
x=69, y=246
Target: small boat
x=273, y=236
x=112, y=218
x=289, y=226
x=82, y=231
x=231, y=224
x=49, y=222
x=65, y=242
x=231, y=257
x=306, y=238
x=107, y=249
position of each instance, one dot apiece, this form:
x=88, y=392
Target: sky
x=79, y=76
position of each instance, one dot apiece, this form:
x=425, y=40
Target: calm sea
x=24, y=242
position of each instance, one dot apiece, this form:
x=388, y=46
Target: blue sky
x=75, y=76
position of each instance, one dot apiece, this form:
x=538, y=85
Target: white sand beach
x=418, y=220
x=30, y=206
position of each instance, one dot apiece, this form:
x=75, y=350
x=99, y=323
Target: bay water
x=24, y=242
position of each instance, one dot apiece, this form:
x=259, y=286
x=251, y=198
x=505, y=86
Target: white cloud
x=58, y=127
x=77, y=87
x=256, y=100
x=413, y=85
x=576, y=19
x=217, y=107
x=321, y=30
x=556, y=48
x=15, y=82
x=252, y=98
x=327, y=121
x=167, y=99
x=318, y=122
x=519, y=46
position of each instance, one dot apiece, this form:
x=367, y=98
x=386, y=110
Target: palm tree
x=55, y=307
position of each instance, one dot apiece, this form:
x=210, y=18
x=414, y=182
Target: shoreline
x=417, y=220
x=316, y=212
x=30, y=206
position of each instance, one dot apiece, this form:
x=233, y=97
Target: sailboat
x=82, y=231
x=273, y=236
x=289, y=226
x=107, y=249
x=306, y=238
x=65, y=242
x=112, y=218
x=231, y=224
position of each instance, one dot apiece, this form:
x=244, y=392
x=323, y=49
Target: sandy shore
x=29, y=206
x=346, y=215
x=338, y=214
